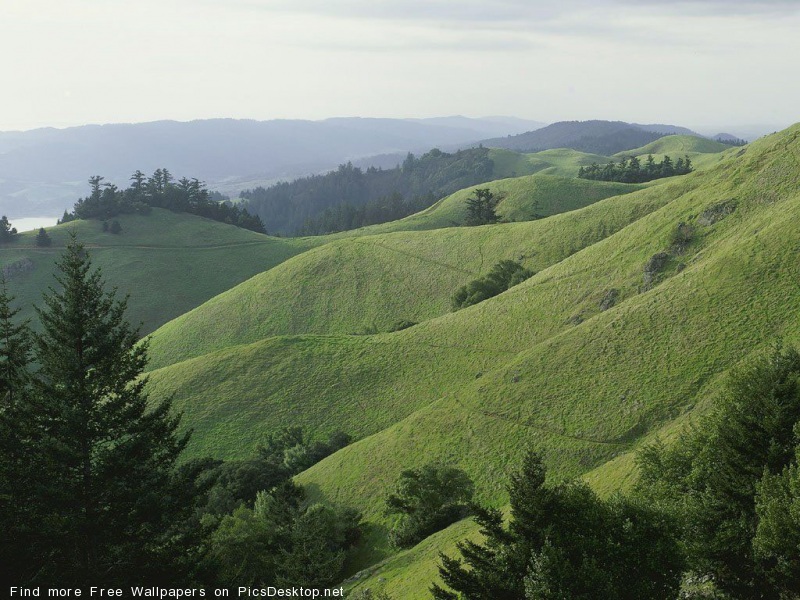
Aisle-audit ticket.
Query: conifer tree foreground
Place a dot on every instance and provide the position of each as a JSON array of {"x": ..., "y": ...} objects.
[
  {"x": 16, "y": 464},
  {"x": 112, "y": 505}
]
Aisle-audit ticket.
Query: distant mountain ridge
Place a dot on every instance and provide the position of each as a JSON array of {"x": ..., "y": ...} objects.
[
  {"x": 596, "y": 136},
  {"x": 666, "y": 129},
  {"x": 44, "y": 171}
]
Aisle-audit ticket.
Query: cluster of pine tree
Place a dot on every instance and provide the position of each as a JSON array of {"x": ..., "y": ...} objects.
[
  {"x": 162, "y": 191},
  {"x": 93, "y": 490},
  {"x": 301, "y": 204},
  {"x": 631, "y": 170},
  {"x": 730, "y": 141}
]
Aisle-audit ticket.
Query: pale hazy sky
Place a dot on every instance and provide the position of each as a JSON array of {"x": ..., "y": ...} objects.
[{"x": 705, "y": 62}]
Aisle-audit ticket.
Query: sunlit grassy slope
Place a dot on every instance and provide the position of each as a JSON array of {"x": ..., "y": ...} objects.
[
  {"x": 675, "y": 144},
  {"x": 545, "y": 183},
  {"x": 703, "y": 152},
  {"x": 563, "y": 162},
  {"x": 540, "y": 365},
  {"x": 169, "y": 263},
  {"x": 522, "y": 199},
  {"x": 586, "y": 385},
  {"x": 367, "y": 284},
  {"x": 529, "y": 323}
]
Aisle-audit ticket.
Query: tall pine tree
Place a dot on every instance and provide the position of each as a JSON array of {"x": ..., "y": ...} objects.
[
  {"x": 113, "y": 505},
  {"x": 17, "y": 466}
]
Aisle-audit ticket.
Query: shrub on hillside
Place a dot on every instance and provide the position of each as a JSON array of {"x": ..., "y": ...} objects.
[
  {"x": 502, "y": 276},
  {"x": 283, "y": 541},
  {"x": 428, "y": 499},
  {"x": 400, "y": 325},
  {"x": 292, "y": 450},
  {"x": 681, "y": 236}
]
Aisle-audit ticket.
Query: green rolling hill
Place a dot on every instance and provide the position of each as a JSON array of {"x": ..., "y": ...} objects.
[
  {"x": 703, "y": 152},
  {"x": 523, "y": 199},
  {"x": 626, "y": 335},
  {"x": 369, "y": 283},
  {"x": 644, "y": 298},
  {"x": 169, "y": 263},
  {"x": 562, "y": 162},
  {"x": 675, "y": 144}
]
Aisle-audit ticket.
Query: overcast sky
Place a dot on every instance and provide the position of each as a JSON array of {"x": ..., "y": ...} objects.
[{"x": 706, "y": 62}]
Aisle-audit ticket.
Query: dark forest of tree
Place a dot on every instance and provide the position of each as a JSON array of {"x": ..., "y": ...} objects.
[{"x": 354, "y": 197}]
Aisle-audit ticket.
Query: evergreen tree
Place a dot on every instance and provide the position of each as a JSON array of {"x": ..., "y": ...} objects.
[
  {"x": 565, "y": 542},
  {"x": 114, "y": 505},
  {"x": 650, "y": 168},
  {"x": 15, "y": 349},
  {"x": 138, "y": 183},
  {"x": 17, "y": 466},
  {"x": 777, "y": 540},
  {"x": 481, "y": 207},
  {"x": 711, "y": 477},
  {"x": 7, "y": 232},
  {"x": 43, "y": 240},
  {"x": 667, "y": 168}
]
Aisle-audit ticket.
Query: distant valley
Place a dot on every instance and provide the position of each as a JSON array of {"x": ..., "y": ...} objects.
[{"x": 43, "y": 171}]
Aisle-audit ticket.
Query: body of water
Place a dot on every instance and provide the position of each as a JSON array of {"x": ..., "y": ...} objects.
[{"x": 32, "y": 223}]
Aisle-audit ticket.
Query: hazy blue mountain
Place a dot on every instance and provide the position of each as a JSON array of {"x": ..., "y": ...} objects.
[
  {"x": 489, "y": 126},
  {"x": 598, "y": 137},
  {"x": 43, "y": 171}
]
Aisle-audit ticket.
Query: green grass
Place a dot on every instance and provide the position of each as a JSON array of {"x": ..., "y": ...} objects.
[
  {"x": 409, "y": 573},
  {"x": 540, "y": 365},
  {"x": 369, "y": 283},
  {"x": 563, "y": 162},
  {"x": 703, "y": 152},
  {"x": 523, "y": 199},
  {"x": 169, "y": 263},
  {"x": 678, "y": 144}
]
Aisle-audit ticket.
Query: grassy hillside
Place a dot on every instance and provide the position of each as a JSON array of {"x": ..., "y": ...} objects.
[
  {"x": 523, "y": 198},
  {"x": 563, "y": 162},
  {"x": 169, "y": 263},
  {"x": 367, "y": 284},
  {"x": 551, "y": 363},
  {"x": 678, "y": 144},
  {"x": 703, "y": 152}
]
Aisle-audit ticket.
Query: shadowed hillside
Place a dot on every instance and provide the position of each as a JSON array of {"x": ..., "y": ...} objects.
[{"x": 168, "y": 263}]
